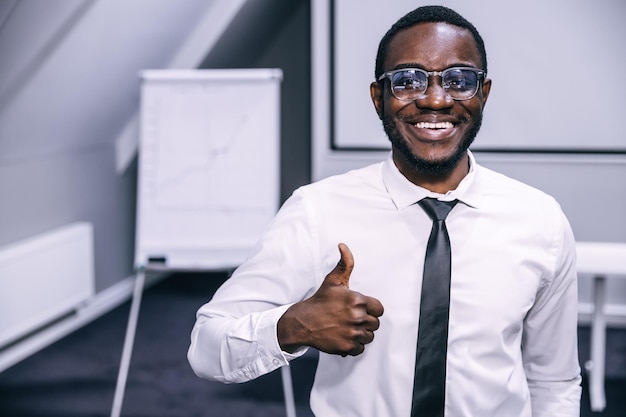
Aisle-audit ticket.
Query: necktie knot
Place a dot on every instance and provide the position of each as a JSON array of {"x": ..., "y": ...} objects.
[{"x": 437, "y": 210}]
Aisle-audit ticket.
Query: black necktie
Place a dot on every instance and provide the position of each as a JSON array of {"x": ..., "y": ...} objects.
[{"x": 432, "y": 340}]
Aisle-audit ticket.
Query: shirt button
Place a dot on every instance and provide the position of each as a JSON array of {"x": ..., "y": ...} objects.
[{"x": 276, "y": 362}]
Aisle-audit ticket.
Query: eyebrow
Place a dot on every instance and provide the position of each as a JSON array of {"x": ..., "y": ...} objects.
[{"x": 420, "y": 66}]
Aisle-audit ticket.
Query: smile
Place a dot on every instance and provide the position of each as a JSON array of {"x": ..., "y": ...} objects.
[{"x": 439, "y": 125}]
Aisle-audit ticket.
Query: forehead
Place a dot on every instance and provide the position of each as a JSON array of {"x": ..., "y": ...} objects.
[{"x": 433, "y": 46}]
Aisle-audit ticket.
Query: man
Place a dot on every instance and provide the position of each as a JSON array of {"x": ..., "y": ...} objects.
[{"x": 510, "y": 346}]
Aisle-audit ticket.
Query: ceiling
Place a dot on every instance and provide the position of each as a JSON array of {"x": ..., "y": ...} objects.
[{"x": 69, "y": 68}]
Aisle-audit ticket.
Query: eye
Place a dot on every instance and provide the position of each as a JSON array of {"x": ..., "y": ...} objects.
[
  {"x": 460, "y": 79},
  {"x": 409, "y": 80}
]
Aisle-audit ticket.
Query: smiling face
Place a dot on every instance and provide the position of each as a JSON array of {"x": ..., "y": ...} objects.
[{"x": 431, "y": 134}]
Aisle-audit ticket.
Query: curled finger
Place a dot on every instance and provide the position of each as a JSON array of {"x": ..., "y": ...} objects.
[
  {"x": 374, "y": 307},
  {"x": 367, "y": 337},
  {"x": 358, "y": 349}
]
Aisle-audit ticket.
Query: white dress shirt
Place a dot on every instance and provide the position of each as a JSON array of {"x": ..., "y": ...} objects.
[{"x": 512, "y": 346}]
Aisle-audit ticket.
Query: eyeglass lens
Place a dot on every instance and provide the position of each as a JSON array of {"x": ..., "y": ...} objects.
[{"x": 459, "y": 83}]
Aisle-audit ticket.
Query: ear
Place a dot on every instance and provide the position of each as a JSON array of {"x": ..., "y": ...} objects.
[
  {"x": 376, "y": 93},
  {"x": 486, "y": 88}
]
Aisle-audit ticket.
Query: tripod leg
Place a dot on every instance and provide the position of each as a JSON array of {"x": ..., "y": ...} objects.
[{"x": 128, "y": 344}]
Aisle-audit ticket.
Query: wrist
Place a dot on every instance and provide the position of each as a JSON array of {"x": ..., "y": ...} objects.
[{"x": 289, "y": 331}]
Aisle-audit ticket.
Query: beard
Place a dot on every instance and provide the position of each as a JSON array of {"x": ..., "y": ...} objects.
[{"x": 430, "y": 168}]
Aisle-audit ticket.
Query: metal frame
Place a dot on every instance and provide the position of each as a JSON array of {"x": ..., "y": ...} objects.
[{"x": 600, "y": 260}]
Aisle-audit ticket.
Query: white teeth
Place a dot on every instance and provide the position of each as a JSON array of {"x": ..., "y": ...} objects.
[{"x": 440, "y": 125}]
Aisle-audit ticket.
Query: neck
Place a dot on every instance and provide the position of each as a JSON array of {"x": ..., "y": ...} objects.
[{"x": 436, "y": 182}]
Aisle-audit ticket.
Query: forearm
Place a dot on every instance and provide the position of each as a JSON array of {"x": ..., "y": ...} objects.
[
  {"x": 235, "y": 350},
  {"x": 555, "y": 399},
  {"x": 234, "y": 338}
]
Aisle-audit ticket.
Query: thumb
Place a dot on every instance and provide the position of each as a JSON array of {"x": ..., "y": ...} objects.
[{"x": 341, "y": 274}]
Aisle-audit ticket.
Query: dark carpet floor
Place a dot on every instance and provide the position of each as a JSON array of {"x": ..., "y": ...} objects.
[{"x": 76, "y": 376}]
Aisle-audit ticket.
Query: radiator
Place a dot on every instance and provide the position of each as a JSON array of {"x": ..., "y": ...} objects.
[{"x": 44, "y": 278}]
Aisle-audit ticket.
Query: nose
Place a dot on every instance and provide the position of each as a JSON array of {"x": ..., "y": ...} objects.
[{"x": 435, "y": 96}]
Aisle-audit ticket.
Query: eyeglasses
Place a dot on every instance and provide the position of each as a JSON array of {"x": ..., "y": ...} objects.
[{"x": 408, "y": 84}]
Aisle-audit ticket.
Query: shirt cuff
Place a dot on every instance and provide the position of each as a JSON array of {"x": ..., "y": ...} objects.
[{"x": 268, "y": 338}]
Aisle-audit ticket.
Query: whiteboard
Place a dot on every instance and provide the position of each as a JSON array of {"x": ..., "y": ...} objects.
[
  {"x": 550, "y": 62},
  {"x": 208, "y": 173}
]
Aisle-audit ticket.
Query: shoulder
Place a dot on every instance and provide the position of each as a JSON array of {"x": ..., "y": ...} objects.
[
  {"x": 497, "y": 186},
  {"x": 517, "y": 203},
  {"x": 529, "y": 213},
  {"x": 346, "y": 185}
]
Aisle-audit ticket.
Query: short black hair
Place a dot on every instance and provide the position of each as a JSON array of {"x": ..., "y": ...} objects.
[{"x": 423, "y": 15}]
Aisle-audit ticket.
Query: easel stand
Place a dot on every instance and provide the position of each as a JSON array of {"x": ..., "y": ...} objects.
[{"x": 129, "y": 340}]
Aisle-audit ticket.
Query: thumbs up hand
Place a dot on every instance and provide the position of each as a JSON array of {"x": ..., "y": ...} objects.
[{"x": 335, "y": 319}]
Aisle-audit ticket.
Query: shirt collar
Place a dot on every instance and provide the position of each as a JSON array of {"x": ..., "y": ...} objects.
[{"x": 404, "y": 193}]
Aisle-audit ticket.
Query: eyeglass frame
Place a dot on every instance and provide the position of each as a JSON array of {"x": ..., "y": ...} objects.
[{"x": 482, "y": 75}]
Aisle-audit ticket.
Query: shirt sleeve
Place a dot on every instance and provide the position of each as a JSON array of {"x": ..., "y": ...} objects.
[
  {"x": 550, "y": 343},
  {"x": 234, "y": 338}
]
